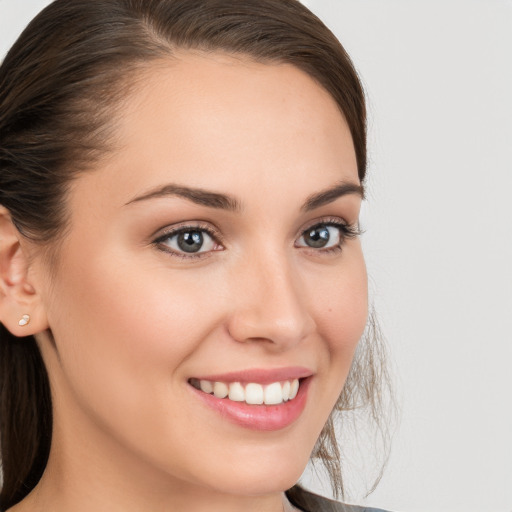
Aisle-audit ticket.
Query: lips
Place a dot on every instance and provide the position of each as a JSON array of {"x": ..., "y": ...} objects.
[{"x": 256, "y": 399}]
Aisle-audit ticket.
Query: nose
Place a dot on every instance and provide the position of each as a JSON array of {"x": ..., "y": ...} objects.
[{"x": 270, "y": 304}]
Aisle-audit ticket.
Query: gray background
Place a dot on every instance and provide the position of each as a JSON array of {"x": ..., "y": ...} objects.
[{"x": 438, "y": 238}]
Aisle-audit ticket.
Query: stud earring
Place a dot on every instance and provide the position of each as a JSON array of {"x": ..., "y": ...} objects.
[{"x": 24, "y": 320}]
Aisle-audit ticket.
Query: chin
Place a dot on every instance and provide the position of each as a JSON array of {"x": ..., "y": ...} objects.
[
  {"x": 259, "y": 473},
  {"x": 259, "y": 483}
]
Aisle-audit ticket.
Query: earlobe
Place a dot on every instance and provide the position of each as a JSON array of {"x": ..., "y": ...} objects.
[{"x": 21, "y": 310}]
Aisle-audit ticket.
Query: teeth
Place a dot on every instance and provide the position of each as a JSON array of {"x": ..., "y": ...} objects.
[
  {"x": 294, "y": 388},
  {"x": 273, "y": 393},
  {"x": 286, "y": 391},
  {"x": 236, "y": 392},
  {"x": 253, "y": 393},
  {"x": 220, "y": 390},
  {"x": 206, "y": 386}
]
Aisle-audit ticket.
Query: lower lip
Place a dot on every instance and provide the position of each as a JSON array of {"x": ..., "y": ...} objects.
[{"x": 259, "y": 417}]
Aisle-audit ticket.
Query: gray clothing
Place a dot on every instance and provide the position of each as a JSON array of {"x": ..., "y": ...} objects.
[{"x": 309, "y": 502}]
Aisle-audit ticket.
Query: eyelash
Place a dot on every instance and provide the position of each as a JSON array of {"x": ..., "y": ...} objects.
[
  {"x": 175, "y": 231},
  {"x": 347, "y": 231}
]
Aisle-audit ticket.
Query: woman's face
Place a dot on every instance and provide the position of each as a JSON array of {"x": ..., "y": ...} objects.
[{"x": 215, "y": 244}]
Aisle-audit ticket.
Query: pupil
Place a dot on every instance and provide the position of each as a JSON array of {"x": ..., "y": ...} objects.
[
  {"x": 190, "y": 241},
  {"x": 317, "y": 237}
]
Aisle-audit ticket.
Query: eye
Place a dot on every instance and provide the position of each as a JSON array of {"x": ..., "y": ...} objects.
[
  {"x": 188, "y": 241},
  {"x": 321, "y": 236},
  {"x": 326, "y": 235}
]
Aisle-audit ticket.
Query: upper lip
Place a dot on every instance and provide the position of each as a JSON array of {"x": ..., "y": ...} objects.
[{"x": 260, "y": 375}]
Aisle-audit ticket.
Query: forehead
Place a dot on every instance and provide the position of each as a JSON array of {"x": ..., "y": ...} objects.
[
  {"x": 221, "y": 101},
  {"x": 218, "y": 121}
]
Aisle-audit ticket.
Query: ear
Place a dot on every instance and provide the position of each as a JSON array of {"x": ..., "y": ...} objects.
[{"x": 21, "y": 309}]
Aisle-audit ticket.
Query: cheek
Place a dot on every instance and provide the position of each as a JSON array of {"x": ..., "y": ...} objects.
[
  {"x": 341, "y": 304},
  {"x": 341, "y": 310},
  {"x": 123, "y": 333}
]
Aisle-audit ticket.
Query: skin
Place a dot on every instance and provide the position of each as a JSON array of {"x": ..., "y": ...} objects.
[{"x": 132, "y": 321}]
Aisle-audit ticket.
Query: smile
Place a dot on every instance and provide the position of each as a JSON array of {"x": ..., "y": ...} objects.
[
  {"x": 256, "y": 399},
  {"x": 251, "y": 393}
]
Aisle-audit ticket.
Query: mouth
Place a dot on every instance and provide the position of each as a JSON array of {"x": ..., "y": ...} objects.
[
  {"x": 252, "y": 393},
  {"x": 257, "y": 399}
]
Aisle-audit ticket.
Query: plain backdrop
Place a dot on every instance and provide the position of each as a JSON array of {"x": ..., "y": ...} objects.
[{"x": 438, "y": 240}]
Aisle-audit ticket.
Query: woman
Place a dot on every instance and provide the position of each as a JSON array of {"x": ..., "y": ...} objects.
[{"x": 183, "y": 288}]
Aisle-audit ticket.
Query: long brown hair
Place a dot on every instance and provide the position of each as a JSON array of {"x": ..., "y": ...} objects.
[{"x": 60, "y": 86}]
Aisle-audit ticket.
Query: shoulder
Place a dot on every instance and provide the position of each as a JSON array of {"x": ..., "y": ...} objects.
[{"x": 309, "y": 502}]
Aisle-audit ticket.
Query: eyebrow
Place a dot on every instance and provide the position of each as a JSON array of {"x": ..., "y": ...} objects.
[
  {"x": 226, "y": 202},
  {"x": 331, "y": 194},
  {"x": 196, "y": 195}
]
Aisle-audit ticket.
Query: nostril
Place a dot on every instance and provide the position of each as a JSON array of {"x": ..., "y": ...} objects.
[{"x": 271, "y": 325}]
